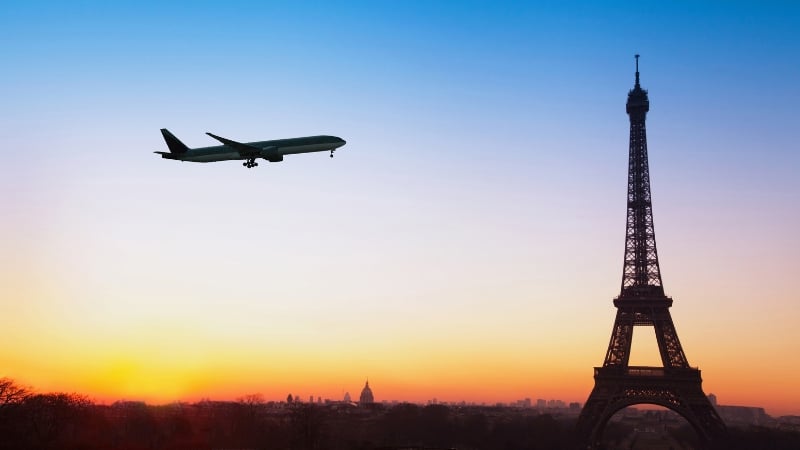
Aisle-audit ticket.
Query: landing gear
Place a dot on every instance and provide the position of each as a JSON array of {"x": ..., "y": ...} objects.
[
  {"x": 250, "y": 163},
  {"x": 332, "y": 153}
]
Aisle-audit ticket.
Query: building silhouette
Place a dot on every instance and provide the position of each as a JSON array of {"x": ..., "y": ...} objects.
[{"x": 366, "y": 395}]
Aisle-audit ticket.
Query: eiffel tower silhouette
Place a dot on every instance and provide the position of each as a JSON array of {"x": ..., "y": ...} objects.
[{"x": 642, "y": 302}]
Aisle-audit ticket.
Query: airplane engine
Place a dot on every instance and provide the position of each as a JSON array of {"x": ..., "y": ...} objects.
[{"x": 271, "y": 155}]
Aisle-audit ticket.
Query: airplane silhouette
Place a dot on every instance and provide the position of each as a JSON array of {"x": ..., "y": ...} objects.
[{"x": 272, "y": 151}]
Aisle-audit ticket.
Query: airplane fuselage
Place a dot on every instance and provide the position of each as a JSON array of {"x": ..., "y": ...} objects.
[{"x": 270, "y": 150}]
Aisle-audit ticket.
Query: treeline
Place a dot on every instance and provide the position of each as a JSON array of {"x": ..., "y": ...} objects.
[{"x": 70, "y": 421}]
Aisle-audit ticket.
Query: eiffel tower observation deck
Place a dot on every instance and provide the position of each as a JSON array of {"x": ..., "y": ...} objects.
[{"x": 642, "y": 302}]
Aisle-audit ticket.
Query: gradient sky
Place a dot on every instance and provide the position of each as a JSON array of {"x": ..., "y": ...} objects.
[{"x": 465, "y": 244}]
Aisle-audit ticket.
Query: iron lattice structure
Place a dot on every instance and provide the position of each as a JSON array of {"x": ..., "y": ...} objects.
[
  {"x": 640, "y": 272},
  {"x": 642, "y": 302}
]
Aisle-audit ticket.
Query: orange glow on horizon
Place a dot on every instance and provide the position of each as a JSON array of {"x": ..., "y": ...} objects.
[
  {"x": 150, "y": 371},
  {"x": 169, "y": 359}
]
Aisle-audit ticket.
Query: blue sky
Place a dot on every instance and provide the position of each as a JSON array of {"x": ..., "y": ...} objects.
[{"x": 483, "y": 180}]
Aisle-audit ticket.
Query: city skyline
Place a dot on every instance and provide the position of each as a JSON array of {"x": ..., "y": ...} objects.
[{"x": 468, "y": 243}]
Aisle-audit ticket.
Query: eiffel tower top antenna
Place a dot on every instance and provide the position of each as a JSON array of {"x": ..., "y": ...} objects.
[{"x": 637, "y": 69}]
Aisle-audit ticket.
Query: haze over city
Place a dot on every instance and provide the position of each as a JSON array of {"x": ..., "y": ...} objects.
[{"x": 467, "y": 242}]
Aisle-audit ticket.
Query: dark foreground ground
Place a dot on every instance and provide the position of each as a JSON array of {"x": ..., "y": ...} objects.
[{"x": 68, "y": 421}]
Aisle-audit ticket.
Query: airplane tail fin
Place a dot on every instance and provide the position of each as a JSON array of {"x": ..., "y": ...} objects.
[{"x": 175, "y": 145}]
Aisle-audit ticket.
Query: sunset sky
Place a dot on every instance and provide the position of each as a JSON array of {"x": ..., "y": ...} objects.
[{"x": 466, "y": 243}]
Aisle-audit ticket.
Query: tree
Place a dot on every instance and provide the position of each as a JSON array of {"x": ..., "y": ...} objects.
[
  {"x": 307, "y": 422},
  {"x": 12, "y": 422},
  {"x": 248, "y": 420},
  {"x": 11, "y": 393},
  {"x": 253, "y": 400},
  {"x": 55, "y": 417}
]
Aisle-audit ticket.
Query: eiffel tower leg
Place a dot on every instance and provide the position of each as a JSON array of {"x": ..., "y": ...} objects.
[
  {"x": 589, "y": 421},
  {"x": 668, "y": 343}
]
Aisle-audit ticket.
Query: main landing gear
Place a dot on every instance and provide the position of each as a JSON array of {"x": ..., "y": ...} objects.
[{"x": 250, "y": 163}]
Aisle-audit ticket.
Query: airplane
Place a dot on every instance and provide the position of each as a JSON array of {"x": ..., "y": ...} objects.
[{"x": 272, "y": 151}]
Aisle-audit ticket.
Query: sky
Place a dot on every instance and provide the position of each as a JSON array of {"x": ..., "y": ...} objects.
[{"x": 466, "y": 243}]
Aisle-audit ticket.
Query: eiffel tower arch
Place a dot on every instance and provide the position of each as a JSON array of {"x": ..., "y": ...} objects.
[{"x": 674, "y": 385}]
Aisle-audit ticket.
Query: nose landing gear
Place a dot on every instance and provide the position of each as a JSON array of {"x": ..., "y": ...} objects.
[
  {"x": 332, "y": 153},
  {"x": 250, "y": 163}
]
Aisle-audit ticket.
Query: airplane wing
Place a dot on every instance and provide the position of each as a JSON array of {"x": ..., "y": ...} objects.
[{"x": 247, "y": 151}]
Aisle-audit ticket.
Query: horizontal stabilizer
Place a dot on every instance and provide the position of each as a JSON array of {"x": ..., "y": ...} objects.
[
  {"x": 169, "y": 155},
  {"x": 174, "y": 144},
  {"x": 244, "y": 149}
]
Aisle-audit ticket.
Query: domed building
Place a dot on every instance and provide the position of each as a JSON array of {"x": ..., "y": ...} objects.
[{"x": 366, "y": 395}]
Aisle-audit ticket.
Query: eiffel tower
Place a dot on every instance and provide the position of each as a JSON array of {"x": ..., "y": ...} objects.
[{"x": 642, "y": 302}]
